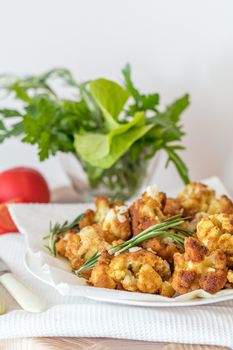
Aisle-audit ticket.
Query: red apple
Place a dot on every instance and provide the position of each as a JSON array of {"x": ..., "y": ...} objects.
[
  {"x": 7, "y": 225},
  {"x": 24, "y": 183}
]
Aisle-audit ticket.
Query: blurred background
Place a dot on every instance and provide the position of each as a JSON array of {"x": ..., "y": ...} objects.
[{"x": 174, "y": 47}]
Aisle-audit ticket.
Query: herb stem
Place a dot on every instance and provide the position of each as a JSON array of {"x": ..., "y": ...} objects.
[{"x": 161, "y": 229}]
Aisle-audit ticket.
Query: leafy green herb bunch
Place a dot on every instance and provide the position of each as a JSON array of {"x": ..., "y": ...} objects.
[{"x": 113, "y": 129}]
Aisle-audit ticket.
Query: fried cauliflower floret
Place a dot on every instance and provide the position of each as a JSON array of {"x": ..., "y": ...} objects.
[
  {"x": 91, "y": 240},
  {"x": 216, "y": 231},
  {"x": 92, "y": 217},
  {"x": 163, "y": 247},
  {"x": 192, "y": 225},
  {"x": 113, "y": 218},
  {"x": 147, "y": 210},
  {"x": 72, "y": 246},
  {"x": 100, "y": 276},
  {"x": 88, "y": 219},
  {"x": 172, "y": 207},
  {"x": 221, "y": 205},
  {"x": 117, "y": 222},
  {"x": 166, "y": 289},
  {"x": 78, "y": 247},
  {"x": 68, "y": 247},
  {"x": 195, "y": 197},
  {"x": 198, "y": 268},
  {"x": 152, "y": 208},
  {"x": 67, "y": 244},
  {"x": 140, "y": 271}
]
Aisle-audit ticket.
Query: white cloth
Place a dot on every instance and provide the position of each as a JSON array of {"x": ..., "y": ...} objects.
[{"x": 80, "y": 317}]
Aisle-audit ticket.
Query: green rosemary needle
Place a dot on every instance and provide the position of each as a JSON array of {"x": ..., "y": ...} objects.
[
  {"x": 58, "y": 229},
  {"x": 161, "y": 229}
]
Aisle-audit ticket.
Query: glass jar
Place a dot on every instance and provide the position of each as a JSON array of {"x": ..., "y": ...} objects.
[{"x": 119, "y": 183}]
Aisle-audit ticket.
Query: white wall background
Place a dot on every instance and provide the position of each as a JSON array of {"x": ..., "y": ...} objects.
[{"x": 174, "y": 46}]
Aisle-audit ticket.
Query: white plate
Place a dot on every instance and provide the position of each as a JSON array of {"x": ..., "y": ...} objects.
[
  {"x": 32, "y": 264},
  {"x": 33, "y": 221}
]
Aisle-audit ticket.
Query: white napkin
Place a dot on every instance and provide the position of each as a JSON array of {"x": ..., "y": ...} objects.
[{"x": 80, "y": 317}]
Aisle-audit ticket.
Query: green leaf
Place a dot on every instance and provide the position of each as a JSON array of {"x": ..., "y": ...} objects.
[
  {"x": 2, "y": 126},
  {"x": 174, "y": 111},
  {"x": 76, "y": 115},
  {"x": 122, "y": 143},
  {"x": 142, "y": 102},
  {"x": 8, "y": 113},
  {"x": 149, "y": 101},
  {"x": 103, "y": 150},
  {"x": 49, "y": 126},
  {"x": 126, "y": 71},
  {"x": 20, "y": 92},
  {"x": 92, "y": 146},
  {"x": 90, "y": 102},
  {"x": 111, "y": 98}
]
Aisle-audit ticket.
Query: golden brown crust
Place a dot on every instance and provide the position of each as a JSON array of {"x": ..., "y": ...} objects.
[
  {"x": 113, "y": 218},
  {"x": 212, "y": 282},
  {"x": 100, "y": 276},
  {"x": 88, "y": 219},
  {"x": 147, "y": 211},
  {"x": 82, "y": 245},
  {"x": 138, "y": 271},
  {"x": 216, "y": 231},
  {"x": 68, "y": 244},
  {"x": 222, "y": 205},
  {"x": 198, "y": 268},
  {"x": 161, "y": 248},
  {"x": 172, "y": 207},
  {"x": 60, "y": 247},
  {"x": 91, "y": 240},
  {"x": 117, "y": 222},
  {"x": 185, "y": 281},
  {"x": 194, "y": 251},
  {"x": 166, "y": 289},
  {"x": 195, "y": 197}
]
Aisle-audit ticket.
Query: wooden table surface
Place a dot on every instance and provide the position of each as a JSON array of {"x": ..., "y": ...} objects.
[{"x": 60, "y": 343}]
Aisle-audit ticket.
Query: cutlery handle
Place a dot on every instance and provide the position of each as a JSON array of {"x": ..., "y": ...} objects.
[{"x": 27, "y": 299}]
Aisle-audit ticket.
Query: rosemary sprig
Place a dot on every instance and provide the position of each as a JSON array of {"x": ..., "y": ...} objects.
[
  {"x": 158, "y": 230},
  {"x": 89, "y": 264},
  {"x": 58, "y": 229}
]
